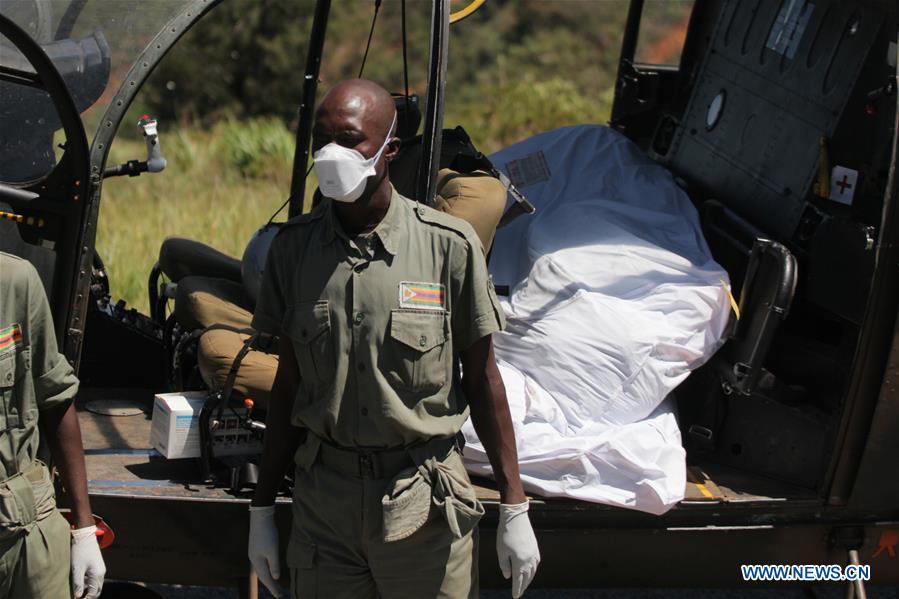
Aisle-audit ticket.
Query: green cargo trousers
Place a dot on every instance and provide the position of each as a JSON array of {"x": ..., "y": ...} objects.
[
  {"x": 337, "y": 547},
  {"x": 35, "y": 541}
]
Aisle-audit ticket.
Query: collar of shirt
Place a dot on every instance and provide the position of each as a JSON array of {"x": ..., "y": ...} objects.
[{"x": 389, "y": 230}]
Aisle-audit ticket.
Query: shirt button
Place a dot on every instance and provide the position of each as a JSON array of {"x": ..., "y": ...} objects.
[
  {"x": 8, "y": 376},
  {"x": 423, "y": 340},
  {"x": 359, "y": 318},
  {"x": 361, "y": 367},
  {"x": 364, "y": 411}
]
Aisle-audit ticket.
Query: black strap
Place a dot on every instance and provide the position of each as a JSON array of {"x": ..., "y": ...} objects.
[
  {"x": 228, "y": 387},
  {"x": 252, "y": 342},
  {"x": 371, "y": 32},
  {"x": 176, "y": 355}
]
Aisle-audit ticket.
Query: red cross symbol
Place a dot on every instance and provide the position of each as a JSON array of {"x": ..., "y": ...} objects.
[{"x": 844, "y": 184}]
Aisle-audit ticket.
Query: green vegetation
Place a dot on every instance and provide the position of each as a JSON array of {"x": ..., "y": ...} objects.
[
  {"x": 226, "y": 97},
  {"x": 219, "y": 187},
  {"x": 247, "y": 57}
]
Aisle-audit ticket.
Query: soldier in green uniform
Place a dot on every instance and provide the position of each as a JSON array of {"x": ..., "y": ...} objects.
[
  {"x": 39, "y": 553},
  {"x": 376, "y": 300}
]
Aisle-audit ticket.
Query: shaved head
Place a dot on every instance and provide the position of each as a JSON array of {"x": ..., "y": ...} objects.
[{"x": 363, "y": 99}]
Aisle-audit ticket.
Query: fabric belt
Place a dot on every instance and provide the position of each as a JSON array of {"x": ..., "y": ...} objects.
[
  {"x": 25, "y": 499},
  {"x": 380, "y": 464}
]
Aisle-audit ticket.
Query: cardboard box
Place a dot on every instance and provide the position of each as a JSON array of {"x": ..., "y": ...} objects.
[{"x": 175, "y": 429}]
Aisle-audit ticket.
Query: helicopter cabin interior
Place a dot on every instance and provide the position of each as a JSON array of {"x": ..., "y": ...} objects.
[
  {"x": 778, "y": 124},
  {"x": 770, "y": 104}
]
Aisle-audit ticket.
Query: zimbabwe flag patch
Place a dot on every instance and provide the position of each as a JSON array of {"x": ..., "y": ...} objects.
[
  {"x": 421, "y": 296},
  {"x": 10, "y": 338}
]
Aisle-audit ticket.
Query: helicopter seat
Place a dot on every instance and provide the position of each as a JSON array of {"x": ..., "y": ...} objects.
[
  {"x": 217, "y": 350},
  {"x": 181, "y": 259},
  {"x": 477, "y": 198},
  {"x": 201, "y": 302},
  {"x": 208, "y": 291}
]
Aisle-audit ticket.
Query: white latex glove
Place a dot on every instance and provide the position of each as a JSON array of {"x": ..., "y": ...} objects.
[
  {"x": 263, "y": 547},
  {"x": 88, "y": 568},
  {"x": 516, "y": 546}
]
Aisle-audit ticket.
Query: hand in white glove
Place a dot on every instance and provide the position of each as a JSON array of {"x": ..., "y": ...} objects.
[
  {"x": 516, "y": 546},
  {"x": 263, "y": 547},
  {"x": 88, "y": 568}
]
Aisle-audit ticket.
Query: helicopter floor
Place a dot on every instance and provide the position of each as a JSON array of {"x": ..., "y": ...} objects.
[{"x": 115, "y": 426}]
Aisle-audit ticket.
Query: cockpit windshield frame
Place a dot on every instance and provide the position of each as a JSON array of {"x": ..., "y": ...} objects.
[{"x": 75, "y": 214}]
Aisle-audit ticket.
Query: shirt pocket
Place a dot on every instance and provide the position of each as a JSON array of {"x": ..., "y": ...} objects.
[
  {"x": 418, "y": 353},
  {"x": 16, "y": 387},
  {"x": 308, "y": 324}
]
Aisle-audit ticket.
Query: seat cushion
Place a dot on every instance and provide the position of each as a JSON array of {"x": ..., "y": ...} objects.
[
  {"x": 218, "y": 348},
  {"x": 203, "y": 301},
  {"x": 179, "y": 258},
  {"x": 477, "y": 198}
]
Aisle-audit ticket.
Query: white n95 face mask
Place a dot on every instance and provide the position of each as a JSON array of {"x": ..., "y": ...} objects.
[{"x": 342, "y": 173}]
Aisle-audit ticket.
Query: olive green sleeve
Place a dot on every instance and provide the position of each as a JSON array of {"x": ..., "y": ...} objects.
[
  {"x": 54, "y": 378},
  {"x": 270, "y": 306},
  {"x": 476, "y": 312}
]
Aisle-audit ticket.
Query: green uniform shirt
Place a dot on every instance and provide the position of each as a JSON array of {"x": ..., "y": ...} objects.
[
  {"x": 377, "y": 321},
  {"x": 33, "y": 374}
]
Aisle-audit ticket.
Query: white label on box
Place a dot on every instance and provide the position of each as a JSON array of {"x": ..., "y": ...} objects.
[{"x": 842, "y": 184}]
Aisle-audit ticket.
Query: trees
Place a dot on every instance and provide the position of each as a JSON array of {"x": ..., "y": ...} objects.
[{"x": 516, "y": 67}]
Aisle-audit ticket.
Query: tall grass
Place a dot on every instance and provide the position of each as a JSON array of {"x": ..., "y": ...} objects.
[{"x": 219, "y": 186}]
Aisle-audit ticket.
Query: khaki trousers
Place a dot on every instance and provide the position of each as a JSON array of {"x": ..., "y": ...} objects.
[
  {"x": 37, "y": 564},
  {"x": 337, "y": 550},
  {"x": 35, "y": 542}
]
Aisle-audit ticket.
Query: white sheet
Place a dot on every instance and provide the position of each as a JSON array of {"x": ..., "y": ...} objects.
[{"x": 615, "y": 299}]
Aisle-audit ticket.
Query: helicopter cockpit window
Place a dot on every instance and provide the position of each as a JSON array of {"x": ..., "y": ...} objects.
[
  {"x": 28, "y": 121},
  {"x": 28, "y": 118},
  {"x": 93, "y": 44},
  {"x": 663, "y": 30}
]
